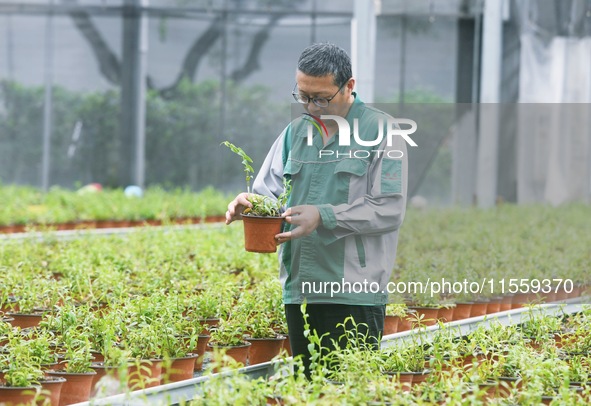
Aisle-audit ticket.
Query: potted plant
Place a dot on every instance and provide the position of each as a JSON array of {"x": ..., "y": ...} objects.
[
  {"x": 263, "y": 221},
  {"x": 227, "y": 338},
  {"x": 179, "y": 361},
  {"x": 145, "y": 346},
  {"x": 20, "y": 384},
  {"x": 114, "y": 365},
  {"x": 77, "y": 371}
]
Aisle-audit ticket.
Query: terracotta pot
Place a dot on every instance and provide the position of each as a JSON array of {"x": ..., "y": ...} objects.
[
  {"x": 488, "y": 390},
  {"x": 446, "y": 314},
  {"x": 209, "y": 323},
  {"x": 430, "y": 315},
  {"x": 77, "y": 387},
  {"x": 54, "y": 366},
  {"x": 180, "y": 369},
  {"x": 264, "y": 349},
  {"x": 13, "y": 396},
  {"x": 407, "y": 379},
  {"x": 199, "y": 350},
  {"x": 560, "y": 338},
  {"x": 51, "y": 389},
  {"x": 462, "y": 310},
  {"x": 25, "y": 320},
  {"x": 520, "y": 299},
  {"x": 478, "y": 309},
  {"x": 404, "y": 378},
  {"x": 405, "y": 322},
  {"x": 239, "y": 353},
  {"x": 259, "y": 233},
  {"x": 506, "y": 303},
  {"x": 102, "y": 371},
  {"x": 97, "y": 356},
  {"x": 494, "y": 306},
  {"x": 391, "y": 324},
  {"x": 469, "y": 360},
  {"x": 144, "y": 374}
]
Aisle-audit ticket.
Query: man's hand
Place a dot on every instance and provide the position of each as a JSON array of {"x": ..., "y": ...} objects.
[
  {"x": 306, "y": 219},
  {"x": 236, "y": 207}
]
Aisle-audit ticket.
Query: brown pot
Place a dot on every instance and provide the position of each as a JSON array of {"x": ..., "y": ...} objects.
[
  {"x": 462, "y": 311},
  {"x": 102, "y": 371},
  {"x": 506, "y": 303},
  {"x": 77, "y": 387},
  {"x": 407, "y": 379},
  {"x": 479, "y": 309},
  {"x": 259, "y": 233},
  {"x": 494, "y": 306},
  {"x": 144, "y": 374},
  {"x": 264, "y": 349},
  {"x": 405, "y": 322},
  {"x": 180, "y": 369},
  {"x": 488, "y": 390},
  {"x": 209, "y": 324},
  {"x": 430, "y": 315},
  {"x": 520, "y": 300},
  {"x": 51, "y": 389},
  {"x": 97, "y": 356},
  {"x": 200, "y": 351},
  {"x": 239, "y": 353},
  {"x": 13, "y": 396},
  {"x": 446, "y": 314},
  {"x": 391, "y": 324}
]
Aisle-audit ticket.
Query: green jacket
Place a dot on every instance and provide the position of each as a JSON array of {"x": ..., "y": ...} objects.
[{"x": 360, "y": 192}]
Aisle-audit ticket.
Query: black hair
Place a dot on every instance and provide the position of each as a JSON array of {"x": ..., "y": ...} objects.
[{"x": 324, "y": 59}]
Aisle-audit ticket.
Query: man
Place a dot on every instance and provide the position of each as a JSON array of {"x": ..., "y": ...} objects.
[{"x": 346, "y": 205}]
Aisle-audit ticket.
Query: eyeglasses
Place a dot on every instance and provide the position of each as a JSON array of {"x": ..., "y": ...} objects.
[{"x": 319, "y": 101}]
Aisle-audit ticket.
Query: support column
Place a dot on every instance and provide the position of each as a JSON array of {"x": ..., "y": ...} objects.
[
  {"x": 363, "y": 45},
  {"x": 133, "y": 93},
  {"x": 488, "y": 124}
]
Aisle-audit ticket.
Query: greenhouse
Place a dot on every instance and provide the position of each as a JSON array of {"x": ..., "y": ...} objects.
[{"x": 411, "y": 226}]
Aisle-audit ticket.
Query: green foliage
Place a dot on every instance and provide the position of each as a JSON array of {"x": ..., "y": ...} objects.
[
  {"x": 29, "y": 205},
  {"x": 261, "y": 205},
  {"x": 246, "y": 162},
  {"x": 181, "y": 134}
]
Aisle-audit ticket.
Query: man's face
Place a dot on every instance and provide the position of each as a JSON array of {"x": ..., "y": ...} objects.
[{"x": 324, "y": 87}]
